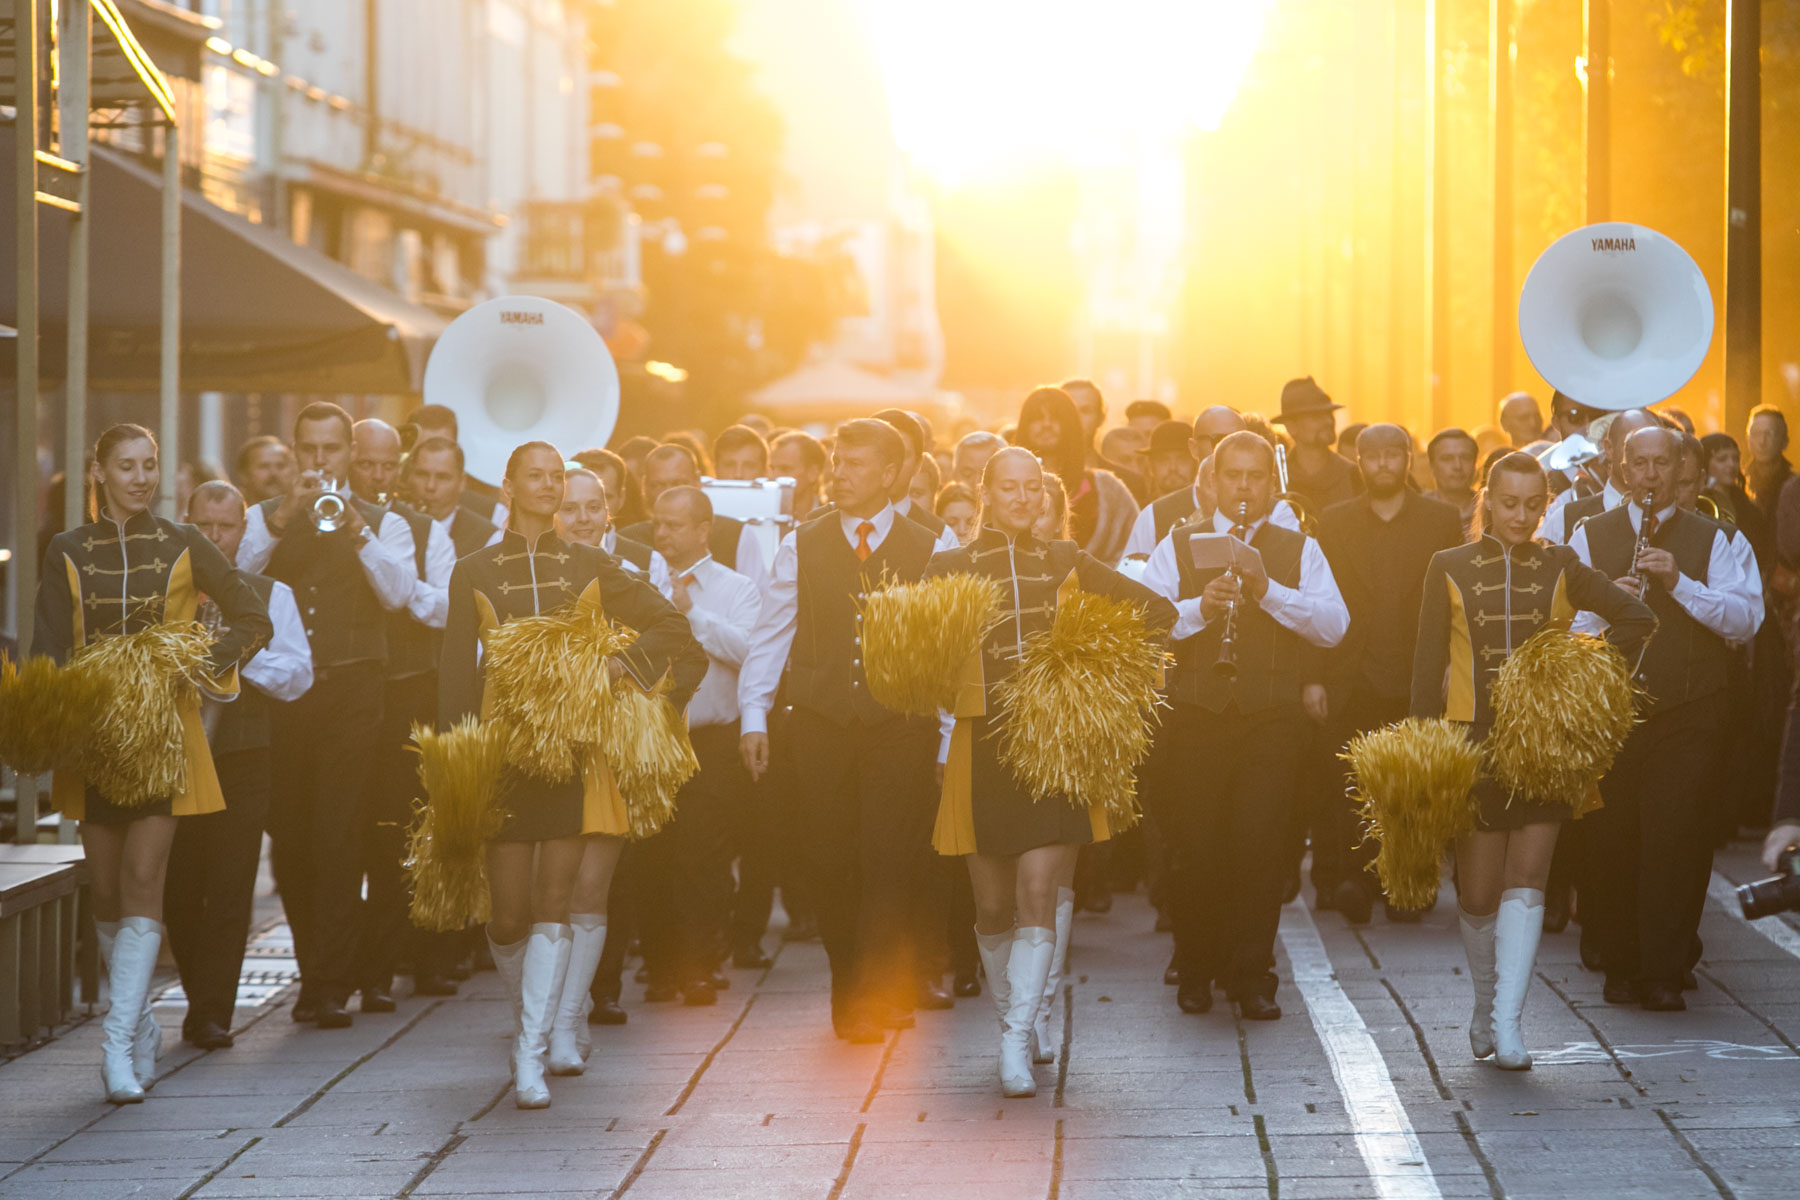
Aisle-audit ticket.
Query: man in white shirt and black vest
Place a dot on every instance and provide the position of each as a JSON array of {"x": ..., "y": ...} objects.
[
  {"x": 1647, "y": 853},
  {"x": 210, "y": 886},
  {"x": 346, "y": 581},
  {"x": 685, "y": 870},
  {"x": 1235, "y": 736},
  {"x": 865, "y": 775},
  {"x": 433, "y": 481}
]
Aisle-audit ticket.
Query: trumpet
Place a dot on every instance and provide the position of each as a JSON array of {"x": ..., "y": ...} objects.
[
  {"x": 1226, "y": 664},
  {"x": 329, "y": 507}
]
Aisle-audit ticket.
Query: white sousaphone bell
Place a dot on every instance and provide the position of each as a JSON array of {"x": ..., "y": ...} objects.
[
  {"x": 519, "y": 369},
  {"x": 1616, "y": 316}
]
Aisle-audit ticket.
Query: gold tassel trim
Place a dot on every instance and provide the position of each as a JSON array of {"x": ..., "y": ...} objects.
[
  {"x": 549, "y": 686},
  {"x": 446, "y": 856},
  {"x": 1564, "y": 703},
  {"x": 47, "y": 714},
  {"x": 1076, "y": 716},
  {"x": 1415, "y": 783},
  {"x": 137, "y": 753},
  {"x": 917, "y": 636}
]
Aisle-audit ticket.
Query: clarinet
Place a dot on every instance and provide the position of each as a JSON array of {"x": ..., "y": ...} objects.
[
  {"x": 1226, "y": 664},
  {"x": 1648, "y": 506}
]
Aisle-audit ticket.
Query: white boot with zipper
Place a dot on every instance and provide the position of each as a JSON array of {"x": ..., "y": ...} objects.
[
  {"x": 1478, "y": 943},
  {"x": 567, "y": 1054},
  {"x": 1517, "y": 929},
  {"x": 509, "y": 960},
  {"x": 1059, "y": 963},
  {"x": 545, "y": 966},
  {"x": 1027, "y": 968},
  {"x": 995, "y": 949},
  {"x": 135, "y": 947},
  {"x": 147, "y": 1041}
]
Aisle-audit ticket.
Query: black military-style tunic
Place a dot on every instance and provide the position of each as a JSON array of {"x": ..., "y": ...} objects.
[
  {"x": 1481, "y": 603},
  {"x": 983, "y": 809},
  {"x": 515, "y": 578},
  {"x": 107, "y": 579}
]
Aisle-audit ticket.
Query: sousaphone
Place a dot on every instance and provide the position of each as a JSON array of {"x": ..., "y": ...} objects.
[
  {"x": 1616, "y": 316},
  {"x": 519, "y": 369}
]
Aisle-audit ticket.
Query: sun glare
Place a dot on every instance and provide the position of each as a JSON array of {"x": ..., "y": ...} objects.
[{"x": 980, "y": 86}]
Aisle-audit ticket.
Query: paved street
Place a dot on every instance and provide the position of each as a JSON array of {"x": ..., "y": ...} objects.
[{"x": 1365, "y": 1088}]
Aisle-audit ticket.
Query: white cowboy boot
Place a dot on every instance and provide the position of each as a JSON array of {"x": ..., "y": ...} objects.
[
  {"x": 995, "y": 949},
  {"x": 1065, "y": 919},
  {"x": 569, "y": 1030},
  {"x": 1027, "y": 967},
  {"x": 509, "y": 960},
  {"x": 1478, "y": 943},
  {"x": 1516, "y": 932},
  {"x": 147, "y": 1040},
  {"x": 546, "y": 965},
  {"x": 133, "y": 963}
]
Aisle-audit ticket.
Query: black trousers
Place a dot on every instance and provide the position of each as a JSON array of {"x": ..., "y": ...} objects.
[
  {"x": 321, "y": 755},
  {"x": 1648, "y": 850},
  {"x": 211, "y": 884},
  {"x": 387, "y": 818},
  {"x": 685, "y": 887},
  {"x": 757, "y": 844},
  {"x": 1340, "y": 849},
  {"x": 1231, "y": 817},
  {"x": 1161, "y": 791},
  {"x": 864, "y": 808}
]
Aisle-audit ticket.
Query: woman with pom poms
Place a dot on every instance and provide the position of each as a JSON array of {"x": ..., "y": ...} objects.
[
  {"x": 1018, "y": 848},
  {"x": 128, "y": 572},
  {"x": 1482, "y": 601},
  {"x": 533, "y": 861}
]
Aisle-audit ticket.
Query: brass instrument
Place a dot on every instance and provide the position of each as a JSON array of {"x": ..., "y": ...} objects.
[
  {"x": 1295, "y": 500},
  {"x": 1226, "y": 664},
  {"x": 329, "y": 507}
]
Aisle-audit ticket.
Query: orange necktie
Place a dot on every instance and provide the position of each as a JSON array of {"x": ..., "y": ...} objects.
[{"x": 863, "y": 549}]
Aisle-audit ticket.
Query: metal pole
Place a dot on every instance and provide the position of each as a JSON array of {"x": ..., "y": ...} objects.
[
  {"x": 25, "y": 432},
  {"x": 1503, "y": 50},
  {"x": 1596, "y": 112},
  {"x": 1743, "y": 207},
  {"x": 170, "y": 392},
  {"x": 73, "y": 45}
]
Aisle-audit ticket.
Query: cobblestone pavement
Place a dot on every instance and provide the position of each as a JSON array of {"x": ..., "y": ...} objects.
[{"x": 1364, "y": 1088}]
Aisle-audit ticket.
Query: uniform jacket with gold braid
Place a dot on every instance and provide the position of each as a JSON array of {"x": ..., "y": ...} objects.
[
  {"x": 1034, "y": 577},
  {"x": 1482, "y": 602},
  {"x": 106, "y": 580},
  {"x": 514, "y": 578}
]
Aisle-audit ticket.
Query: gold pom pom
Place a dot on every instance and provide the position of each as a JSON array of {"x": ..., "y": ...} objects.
[
  {"x": 1564, "y": 703},
  {"x": 549, "y": 685},
  {"x": 1077, "y": 713},
  {"x": 137, "y": 753},
  {"x": 645, "y": 741},
  {"x": 447, "y": 849},
  {"x": 1415, "y": 781},
  {"x": 47, "y": 714},
  {"x": 917, "y": 636}
]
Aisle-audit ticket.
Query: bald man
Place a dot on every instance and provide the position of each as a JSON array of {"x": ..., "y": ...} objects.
[
  {"x": 1379, "y": 546},
  {"x": 1569, "y": 510},
  {"x": 1647, "y": 853},
  {"x": 1520, "y": 418},
  {"x": 1155, "y": 520},
  {"x": 733, "y": 544}
]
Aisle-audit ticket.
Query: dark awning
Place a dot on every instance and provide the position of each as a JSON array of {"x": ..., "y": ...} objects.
[{"x": 259, "y": 313}]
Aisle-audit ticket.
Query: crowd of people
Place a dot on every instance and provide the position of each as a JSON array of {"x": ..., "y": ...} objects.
[{"x": 1393, "y": 574}]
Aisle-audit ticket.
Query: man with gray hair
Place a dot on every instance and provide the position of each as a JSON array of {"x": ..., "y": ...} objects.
[
  {"x": 970, "y": 458},
  {"x": 209, "y": 887}
]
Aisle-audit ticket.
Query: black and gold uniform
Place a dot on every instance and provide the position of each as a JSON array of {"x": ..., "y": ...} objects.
[
  {"x": 983, "y": 810},
  {"x": 1481, "y": 603},
  {"x": 514, "y": 578},
  {"x": 107, "y": 579}
]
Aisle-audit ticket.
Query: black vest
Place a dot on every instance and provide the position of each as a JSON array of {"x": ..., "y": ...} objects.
[
  {"x": 1273, "y": 661},
  {"x": 413, "y": 646},
  {"x": 1172, "y": 509},
  {"x": 243, "y": 724},
  {"x": 635, "y": 553},
  {"x": 344, "y": 621},
  {"x": 469, "y": 532},
  {"x": 825, "y": 671},
  {"x": 721, "y": 543},
  {"x": 1580, "y": 509},
  {"x": 1684, "y": 660}
]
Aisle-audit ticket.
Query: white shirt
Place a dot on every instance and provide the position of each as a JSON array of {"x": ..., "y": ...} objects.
[
  {"x": 722, "y": 617},
  {"x": 283, "y": 669},
  {"x": 946, "y": 537},
  {"x": 1551, "y": 530},
  {"x": 659, "y": 566},
  {"x": 1143, "y": 530},
  {"x": 429, "y": 603},
  {"x": 386, "y": 558},
  {"x": 1729, "y": 602},
  {"x": 1315, "y": 610},
  {"x": 773, "y": 637}
]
